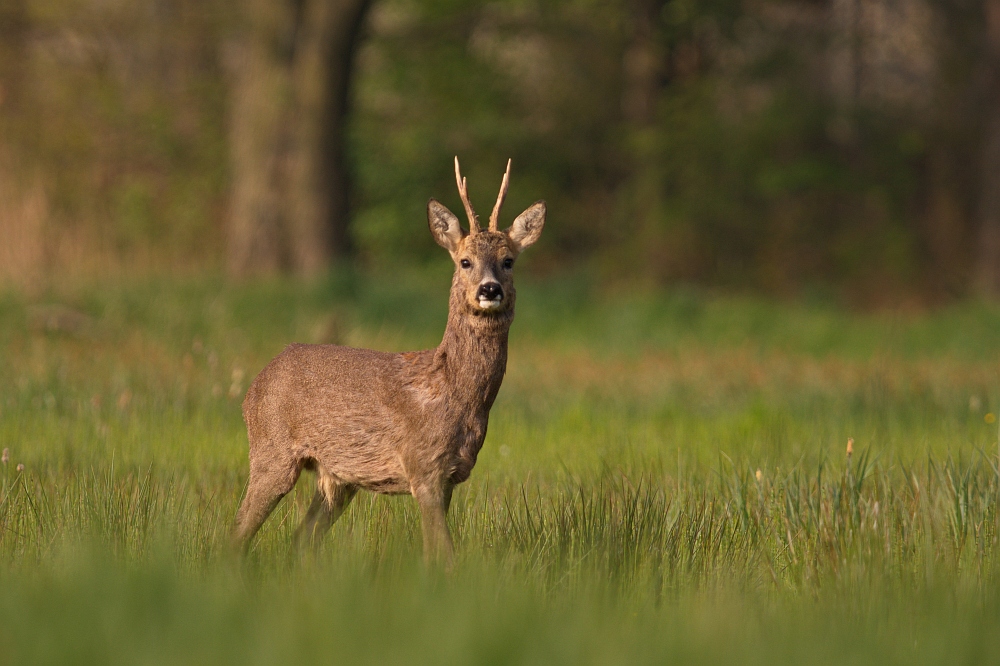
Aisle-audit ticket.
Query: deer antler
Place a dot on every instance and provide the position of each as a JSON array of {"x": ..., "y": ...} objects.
[
  {"x": 495, "y": 215},
  {"x": 463, "y": 191}
]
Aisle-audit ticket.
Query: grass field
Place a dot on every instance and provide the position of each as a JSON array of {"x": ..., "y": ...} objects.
[{"x": 665, "y": 479}]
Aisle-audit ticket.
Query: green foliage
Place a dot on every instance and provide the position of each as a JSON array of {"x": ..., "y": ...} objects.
[{"x": 523, "y": 81}]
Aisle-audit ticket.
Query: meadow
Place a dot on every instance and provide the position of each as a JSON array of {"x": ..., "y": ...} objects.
[{"x": 666, "y": 479}]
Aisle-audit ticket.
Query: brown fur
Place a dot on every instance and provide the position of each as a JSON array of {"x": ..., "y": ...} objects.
[{"x": 389, "y": 423}]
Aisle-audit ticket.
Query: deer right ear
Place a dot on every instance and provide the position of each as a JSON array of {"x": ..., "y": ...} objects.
[{"x": 444, "y": 225}]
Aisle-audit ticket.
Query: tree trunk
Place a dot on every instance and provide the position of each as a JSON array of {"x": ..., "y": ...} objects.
[
  {"x": 319, "y": 180},
  {"x": 845, "y": 55},
  {"x": 13, "y": 54},
  {"x": 642, "y": 66},
  {"x": 290, "y": 90},
  {"x": 257, "y": 63},
  {"x": 641, "y": 232},
  {"x": 988, "y": 259}
]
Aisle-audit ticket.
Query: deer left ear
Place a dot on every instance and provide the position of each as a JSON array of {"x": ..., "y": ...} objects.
[
  {"x": 444, "y": 226},
  {"x": 528, "y": 226}
]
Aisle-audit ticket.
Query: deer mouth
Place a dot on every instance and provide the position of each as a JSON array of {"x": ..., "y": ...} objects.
[{"x": 491, "y": 304}]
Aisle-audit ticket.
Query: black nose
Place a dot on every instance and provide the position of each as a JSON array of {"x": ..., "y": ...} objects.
[{"x": 491, "y": 291}]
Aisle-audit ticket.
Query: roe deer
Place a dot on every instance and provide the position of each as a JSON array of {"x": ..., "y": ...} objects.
[{"x": 392, "y": 423}]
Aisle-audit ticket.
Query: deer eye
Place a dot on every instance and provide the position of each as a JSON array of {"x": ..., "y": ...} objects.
[
  {"x": 466, "y": 263},
  {"x": 508, "y": 262}
]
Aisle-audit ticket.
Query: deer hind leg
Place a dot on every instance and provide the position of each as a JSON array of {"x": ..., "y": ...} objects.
[
  {"x": 267, "y": 485},
  {"x": 328, "y": 504}
]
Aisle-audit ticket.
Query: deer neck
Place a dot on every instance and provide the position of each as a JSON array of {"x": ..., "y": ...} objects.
[{"x": 473, "y": 352}]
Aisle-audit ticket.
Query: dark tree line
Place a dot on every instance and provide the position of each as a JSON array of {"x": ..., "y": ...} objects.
[{"x": 777, "y": 145}]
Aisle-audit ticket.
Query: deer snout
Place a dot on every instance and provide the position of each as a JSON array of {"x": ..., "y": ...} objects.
[{"x": 490, "y": 291}]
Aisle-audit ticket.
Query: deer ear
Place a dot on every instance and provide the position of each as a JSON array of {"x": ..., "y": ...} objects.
[
  {"x": 444, "y": 225},
  {"x": 528, "y": 226}
]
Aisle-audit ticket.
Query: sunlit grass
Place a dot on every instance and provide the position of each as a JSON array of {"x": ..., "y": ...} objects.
[{"x": 666, "y": 474}]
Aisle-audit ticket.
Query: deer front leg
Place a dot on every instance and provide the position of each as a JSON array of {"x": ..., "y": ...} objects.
[{"x": 434, "y": 500}]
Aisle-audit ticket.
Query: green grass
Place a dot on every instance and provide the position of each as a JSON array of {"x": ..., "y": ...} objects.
[{"x": 665, "y": 479}]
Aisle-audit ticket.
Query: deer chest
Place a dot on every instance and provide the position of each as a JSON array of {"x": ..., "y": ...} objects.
[{"x": 465, "y": 450}]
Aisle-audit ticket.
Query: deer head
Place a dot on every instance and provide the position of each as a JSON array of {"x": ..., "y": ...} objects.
[{"x": 484, "y": 258}]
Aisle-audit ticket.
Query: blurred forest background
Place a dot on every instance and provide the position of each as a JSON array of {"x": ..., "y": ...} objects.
[{"x": 841, "y": 147}]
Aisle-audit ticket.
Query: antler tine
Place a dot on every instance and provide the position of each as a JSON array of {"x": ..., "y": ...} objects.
[
  {"x": 495, "y": 215},
  {"x": 463, "y": 191}
]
